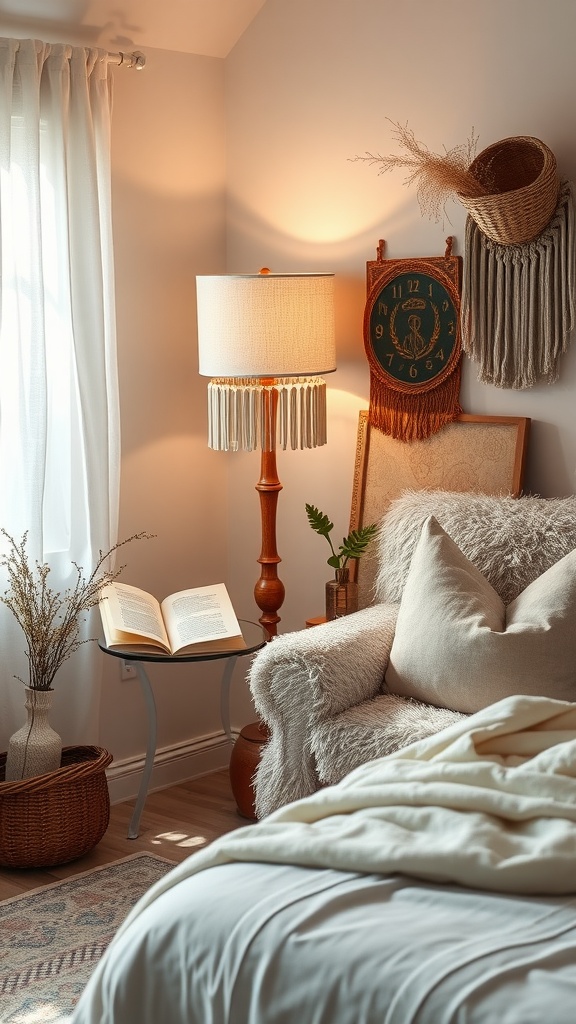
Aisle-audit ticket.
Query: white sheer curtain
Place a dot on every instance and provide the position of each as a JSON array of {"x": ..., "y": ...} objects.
[{"x": 59, "y": 421}]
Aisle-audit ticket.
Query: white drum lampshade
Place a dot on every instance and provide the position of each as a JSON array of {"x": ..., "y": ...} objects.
[{"x": 263, "y": 333}]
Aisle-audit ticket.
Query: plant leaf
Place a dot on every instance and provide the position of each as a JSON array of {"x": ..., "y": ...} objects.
[
  {"x": 318, "y": 521},
  {"x": 355, "y": 544}
]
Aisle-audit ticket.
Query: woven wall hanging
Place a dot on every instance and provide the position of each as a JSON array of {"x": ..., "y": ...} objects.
[
  {"x": 519, "y": 300},
  {"x": 412, "y": 342}
]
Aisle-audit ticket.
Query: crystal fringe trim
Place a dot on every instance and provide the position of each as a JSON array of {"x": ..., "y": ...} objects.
[{"x": 240, "y": 417}]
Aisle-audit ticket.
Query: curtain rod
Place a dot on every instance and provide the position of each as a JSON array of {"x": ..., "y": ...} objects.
[
  {"x": 136, "y": 59},
  {"x": 131, "y": 60}
]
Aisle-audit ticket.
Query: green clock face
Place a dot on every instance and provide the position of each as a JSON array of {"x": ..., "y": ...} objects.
[{"x": 411, "y": 329}]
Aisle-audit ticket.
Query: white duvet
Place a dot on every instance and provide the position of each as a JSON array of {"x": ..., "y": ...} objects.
[{"x": 489, "y": 803}]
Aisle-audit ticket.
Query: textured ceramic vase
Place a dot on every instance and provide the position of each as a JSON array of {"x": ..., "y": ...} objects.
[
  {"x": 341, "y": 595},
  {"x": 35, "y": 748}
]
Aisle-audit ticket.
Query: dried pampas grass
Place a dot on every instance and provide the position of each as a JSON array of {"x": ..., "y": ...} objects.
[{"x": 437, "y": 175}]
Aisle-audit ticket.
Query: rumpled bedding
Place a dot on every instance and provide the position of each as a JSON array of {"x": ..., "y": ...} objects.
[{"x": 488, "y": 804}]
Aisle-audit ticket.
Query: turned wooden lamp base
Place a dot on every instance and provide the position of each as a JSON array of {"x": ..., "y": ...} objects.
[{"x": 269, "y": 595}]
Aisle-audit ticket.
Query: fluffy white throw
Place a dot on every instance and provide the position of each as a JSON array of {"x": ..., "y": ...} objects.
[{"x": 489, "y": 802}]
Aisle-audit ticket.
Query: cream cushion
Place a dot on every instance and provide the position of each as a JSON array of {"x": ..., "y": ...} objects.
[{"x": 457, "y": 645}]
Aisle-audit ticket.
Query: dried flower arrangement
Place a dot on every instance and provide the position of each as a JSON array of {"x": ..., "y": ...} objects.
[
  {"x": 50, "y": 620},
  {"x": 437, "y": 175}
]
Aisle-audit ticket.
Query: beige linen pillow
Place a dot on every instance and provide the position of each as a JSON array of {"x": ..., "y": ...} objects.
[{"x": 458, "y": 646}]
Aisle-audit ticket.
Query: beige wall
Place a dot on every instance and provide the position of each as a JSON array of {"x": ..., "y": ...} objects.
[{"x": 310, "y": 85}]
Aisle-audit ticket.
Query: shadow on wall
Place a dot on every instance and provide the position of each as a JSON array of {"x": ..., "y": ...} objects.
[
  {"x": 547, "y": 462},
  {"x": 157, "y": 257},
  {"x": 27, "y": 19},
  {"x": 282, "y": 249},
  {"x": 262, "y": 244}
]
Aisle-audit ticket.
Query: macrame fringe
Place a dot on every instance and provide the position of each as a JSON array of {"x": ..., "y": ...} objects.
[
  {"x": 409, "y": 417},
  {"x": 519, "y": 301},
  {"x": 242, "y": 418}
]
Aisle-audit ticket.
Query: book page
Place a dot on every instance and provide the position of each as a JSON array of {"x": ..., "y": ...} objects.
[
  {"x": 199, "y": 615},
  {"x": 135, "y": 613}
]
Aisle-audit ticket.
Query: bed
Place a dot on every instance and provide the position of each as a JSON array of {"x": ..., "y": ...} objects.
[{"x": 434, "y": 885}]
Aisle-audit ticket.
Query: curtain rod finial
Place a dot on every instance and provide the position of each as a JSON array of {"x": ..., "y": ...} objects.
[{"x": 133, "y": 60}]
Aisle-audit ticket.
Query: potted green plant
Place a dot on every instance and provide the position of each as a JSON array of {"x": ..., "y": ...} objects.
[
  {"x": 341, "y": 592},
  {"x": 50, "y": 621}
]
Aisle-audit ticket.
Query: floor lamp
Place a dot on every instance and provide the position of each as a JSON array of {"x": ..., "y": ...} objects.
[{"x": 263, "y": 339}]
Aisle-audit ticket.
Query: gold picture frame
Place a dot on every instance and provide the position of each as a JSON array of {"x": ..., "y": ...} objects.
[{"x": 485, "y": 454}]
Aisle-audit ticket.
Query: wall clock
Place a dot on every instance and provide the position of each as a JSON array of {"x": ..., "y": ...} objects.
[{"x": 412, "y": 342}]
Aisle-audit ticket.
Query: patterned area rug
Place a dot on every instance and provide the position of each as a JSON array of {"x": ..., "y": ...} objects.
[{"x": 51, "y": 938}]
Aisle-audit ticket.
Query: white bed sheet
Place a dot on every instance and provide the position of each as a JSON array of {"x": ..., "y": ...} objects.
[
  {"x": 309, "y": 917},
  {"x": 275, "y": 944}
]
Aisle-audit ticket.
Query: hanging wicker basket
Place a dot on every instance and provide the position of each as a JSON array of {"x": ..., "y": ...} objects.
[
  {"x": 54, "y": 818},
  {"x": 521, "y": 176}
]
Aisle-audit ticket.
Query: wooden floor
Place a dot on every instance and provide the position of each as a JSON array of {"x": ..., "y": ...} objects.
[{"x": 175, "y": 822}]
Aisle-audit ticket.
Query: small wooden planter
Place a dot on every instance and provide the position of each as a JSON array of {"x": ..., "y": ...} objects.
[
  {"x": 57, "y": 817},
  {"x": 244, "y": 761}
]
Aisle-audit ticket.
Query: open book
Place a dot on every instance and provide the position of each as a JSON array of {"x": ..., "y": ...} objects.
[{"x": 196, "y": 621}]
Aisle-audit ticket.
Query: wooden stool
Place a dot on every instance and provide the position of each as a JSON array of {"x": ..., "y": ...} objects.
[{"x": 243, "y": 764}]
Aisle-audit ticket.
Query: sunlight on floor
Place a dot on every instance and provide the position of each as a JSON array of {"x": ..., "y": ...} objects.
[
  {"x": 179, "y": 839},
  {"x": 45, "y": 1013}
]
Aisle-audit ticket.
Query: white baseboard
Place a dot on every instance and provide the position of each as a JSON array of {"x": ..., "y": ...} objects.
[{"x": 172, "y": 765}]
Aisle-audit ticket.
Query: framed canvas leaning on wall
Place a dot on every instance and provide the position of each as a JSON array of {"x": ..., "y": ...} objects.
[{"x": 473, "y": 453}]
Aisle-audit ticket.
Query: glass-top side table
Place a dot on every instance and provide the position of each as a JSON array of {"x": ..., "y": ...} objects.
[{"x": 255, "y": 637}]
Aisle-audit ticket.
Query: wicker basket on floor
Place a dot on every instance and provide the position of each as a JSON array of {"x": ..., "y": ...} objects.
[
  {"x": 54, "y": 818},
  {"x": 523, "y": 181}
]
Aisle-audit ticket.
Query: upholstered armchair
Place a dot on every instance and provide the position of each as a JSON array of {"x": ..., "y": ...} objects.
[{"x": 337, "y": 695}]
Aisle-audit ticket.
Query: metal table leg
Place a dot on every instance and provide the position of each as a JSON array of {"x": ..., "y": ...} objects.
[
  {"x": 225, "y": 696},
  {"x": 148, "y": 693}
]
